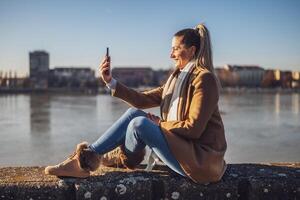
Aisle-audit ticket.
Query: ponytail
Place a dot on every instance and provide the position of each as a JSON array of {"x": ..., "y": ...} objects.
[{"x": 204, "y": 54}]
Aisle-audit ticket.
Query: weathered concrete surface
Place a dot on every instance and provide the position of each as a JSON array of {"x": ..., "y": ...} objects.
[
  {"x": 31, "y": 183},
  {"x": 241, "y": 181}
]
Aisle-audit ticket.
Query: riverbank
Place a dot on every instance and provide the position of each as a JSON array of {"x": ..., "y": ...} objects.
[
  {"x": 104, "y": 90},
  {"x": 53, "y": 91},
  {"x": 241, "y": 181},
  {"x": 229, "y": 90}
]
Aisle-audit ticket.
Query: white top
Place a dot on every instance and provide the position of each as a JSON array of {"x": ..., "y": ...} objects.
[{"x": 172, "y": 114}]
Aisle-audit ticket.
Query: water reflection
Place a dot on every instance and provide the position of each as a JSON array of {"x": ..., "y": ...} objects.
[
  {"x": 277, "y": 103},
  {"x": 39, "y": 114},
  {"x": 295, "y": 103}
]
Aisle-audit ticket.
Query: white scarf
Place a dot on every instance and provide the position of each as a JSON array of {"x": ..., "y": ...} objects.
[{"x": 173, "y": 107}]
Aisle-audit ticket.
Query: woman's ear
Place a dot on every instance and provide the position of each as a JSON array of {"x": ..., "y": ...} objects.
[{"x": 193, "y": 51}]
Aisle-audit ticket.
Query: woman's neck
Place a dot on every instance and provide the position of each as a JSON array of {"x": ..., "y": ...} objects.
[{"x": 186, "y": 64}]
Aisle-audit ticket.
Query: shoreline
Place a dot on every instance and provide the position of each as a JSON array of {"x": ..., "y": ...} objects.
[
  {"x": 226, "y": 90},
  {"x": 260, "y": 90}
]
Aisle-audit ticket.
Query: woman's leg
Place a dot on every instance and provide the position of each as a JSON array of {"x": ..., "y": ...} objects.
[
  {"x": 141, "y": 132},
  {"x": 115, "y": 135},
  {"x": 135, "y": 130},
  {"x": 86, "y": 158}
]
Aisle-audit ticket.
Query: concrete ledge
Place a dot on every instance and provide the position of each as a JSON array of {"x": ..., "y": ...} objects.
[{"x": 241, "y": 181}]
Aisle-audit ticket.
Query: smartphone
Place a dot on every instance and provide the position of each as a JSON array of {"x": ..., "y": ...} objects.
[{"x": 107, "y": 54}]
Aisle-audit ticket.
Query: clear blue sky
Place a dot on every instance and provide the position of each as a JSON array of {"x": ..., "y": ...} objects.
[{"x": 76, "y": 33}]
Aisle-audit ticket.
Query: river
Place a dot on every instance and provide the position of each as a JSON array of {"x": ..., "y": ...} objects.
[{"x": 42, "y": 129}]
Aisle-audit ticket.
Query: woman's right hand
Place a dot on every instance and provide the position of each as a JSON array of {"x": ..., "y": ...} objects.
[
  {"x": 154, "y": 118},
  {"x": 104, "y": 70}
]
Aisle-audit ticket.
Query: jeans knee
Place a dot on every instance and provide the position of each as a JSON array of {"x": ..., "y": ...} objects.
[
  {"x": 138, "y": 123},
  {"x": 133, "y": 111}
]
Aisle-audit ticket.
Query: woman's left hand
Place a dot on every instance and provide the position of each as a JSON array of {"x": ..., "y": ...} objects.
[{"x": 153, "y": 118}]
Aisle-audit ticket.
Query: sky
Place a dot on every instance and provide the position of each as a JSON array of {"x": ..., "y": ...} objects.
[{"x": 139, "y": 32}]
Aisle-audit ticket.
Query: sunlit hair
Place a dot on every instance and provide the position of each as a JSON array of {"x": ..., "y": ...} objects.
[{"x": 199, "y": 37}]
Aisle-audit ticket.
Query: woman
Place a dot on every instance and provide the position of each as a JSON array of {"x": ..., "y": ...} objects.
[{"x": 189, "y": 137}]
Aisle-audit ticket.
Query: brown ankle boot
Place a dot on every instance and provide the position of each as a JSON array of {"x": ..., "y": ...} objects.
[
  {"x": 89, "y": 160},
  {"x": 112, "y": 158},
  {"x": 78, "y": 165},
  {"x": 131, "y": 160},
  {"x": 118, "y": 158}
]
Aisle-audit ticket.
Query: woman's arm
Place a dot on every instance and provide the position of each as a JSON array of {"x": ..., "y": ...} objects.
[
  {"x": 203, "y": 104},
  {"x": 140, "y": 100}
]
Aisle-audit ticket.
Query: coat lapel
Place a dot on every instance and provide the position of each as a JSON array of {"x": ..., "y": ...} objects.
[
  {"x": 185, "y": 94},
  {"x": 184, "y": 97}
]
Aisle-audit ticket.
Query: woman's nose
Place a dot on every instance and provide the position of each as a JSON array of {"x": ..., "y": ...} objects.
[{"x": 171, "y": 54}]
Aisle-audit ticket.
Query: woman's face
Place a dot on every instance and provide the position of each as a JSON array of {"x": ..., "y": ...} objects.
[{"x": 180, "y": 54}]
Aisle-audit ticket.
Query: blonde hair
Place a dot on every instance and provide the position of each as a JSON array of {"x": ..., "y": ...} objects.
[{"x": 204, "y": 55}]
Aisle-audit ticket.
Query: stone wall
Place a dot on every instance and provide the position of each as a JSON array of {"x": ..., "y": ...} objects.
[{"x": 241, "y": 181}]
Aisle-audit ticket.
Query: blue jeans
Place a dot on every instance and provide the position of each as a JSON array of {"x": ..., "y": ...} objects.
[{"x": 136, "y": 131}]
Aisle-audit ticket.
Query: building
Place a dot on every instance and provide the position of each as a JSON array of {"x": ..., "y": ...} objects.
[
  {"x": 286, "y": 79},
  {"x": 271, "y": 79},
  {"x": 296, "y": 79},
  {"x": 134, "y": 76},
  {"x": 227, "y": 78},
  {"x": 39, "y": 68},
  {"x": 246, "y": 75},
  {"x": 72, "y": 77},
  {"x": 283, "y": 79}
]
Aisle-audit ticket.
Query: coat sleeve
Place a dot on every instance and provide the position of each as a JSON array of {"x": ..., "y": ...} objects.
[
  {"x": 140, "y": 100},
  {"x": 203, "y": 104}
]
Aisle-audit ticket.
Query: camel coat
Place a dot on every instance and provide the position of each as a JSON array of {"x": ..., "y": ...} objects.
[{"x": 198, "y": 141}]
